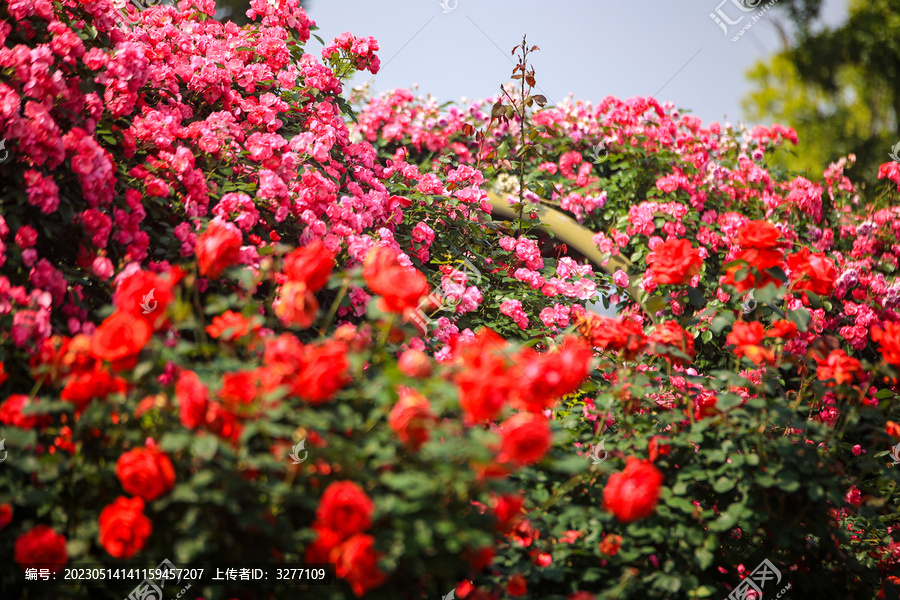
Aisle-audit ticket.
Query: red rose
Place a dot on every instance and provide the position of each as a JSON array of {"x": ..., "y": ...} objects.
[
  {"x": 311, "y": 265},
  {"x": 761, "y": 235},
  {"x": 82, "y": 387},
  {"x": 810, "y": 271},
  {"x": 120, "y": 336},
  {"x": 744, "y": 278},
  {"x": 633, "y": 493},
  {"x": 146, "y": 473},
  {"x": 483, "y": 382},
  {"x": 6, "y": 515},
  {"x": 411, "y": 417},
  {"x": 414, "y": 363},
  {"x": 239, "y": 389},
  {"x": 626, "y": 337},
  {"x": 838, "y": 368},
  {"x": 674, "y": 262},
  {"x": 611, "y": 544},
  {"x": 508, "y": 510},
  {"x": 3, "y": 374},
  {"x": 218, "y": 248},
  {"x": 324, "y": 548},
  {"x": 345, "y": 509},
  {"x": 11, "y": 413},
  {"x": 146, "y": 295},
  {"x": 526, "y": 437},
  {"x": 551, "y": 375},
  {"x": 516, "y": 586},
  {"x": 888, "y": 342},
  {"x": 670, "y": 335},
  {"x": 41, "y": 547},
  {"x": 358, "y": 564},
  {"x": 222, "y": 422},
  {"x": 783, "y": 329},
  {"x": 748, "y": 337},
  {"x": 124, "y": 528},
  {"x": 744, "y": 334},
  {"x": 296, "y": 305},
  {"x": 657, "y": 447},
  {"x": 400, "y": 287},
  {"x": 230, "y": 326},
  {"x": 325, "y": 370},
  {"x": 193, "y": 398}
]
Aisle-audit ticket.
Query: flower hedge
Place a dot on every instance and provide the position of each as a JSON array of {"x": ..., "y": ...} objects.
[{"x": 211, "y": 261}]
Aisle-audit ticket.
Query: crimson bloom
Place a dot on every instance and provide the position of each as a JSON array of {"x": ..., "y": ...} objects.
[
  {"x": 525, "y": 439},
  {"x": 146, "y": 473},
  {"x": 813, "y": 272},
  {"x": 888, "y": 339},
  {"x": 124, "y": 528},
  {"x": 120, "y": 336},
  {"x": 674, "y": 262},
  {"x": 358, "y": 564},
  {"x": 838, "y": 368},
  {"x": 632, "y": 494},
  {"x": 218, "y": 248},
  {"x": 400, "y": 287},
  {"x": 193, "y": 398},
  {"x": 41, "y": 547},
  {"x": 411, "y": 418},
  {"x": 345, "y": 509},
  {"x": 761, "y": 235},
  {"x": 310, "y": 265}
]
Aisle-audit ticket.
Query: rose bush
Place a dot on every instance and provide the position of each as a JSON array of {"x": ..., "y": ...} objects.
[{"x": 231, "y": 332}]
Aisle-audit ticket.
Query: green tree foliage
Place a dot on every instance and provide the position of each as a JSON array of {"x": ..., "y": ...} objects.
[{"x": 839, "y": 88}]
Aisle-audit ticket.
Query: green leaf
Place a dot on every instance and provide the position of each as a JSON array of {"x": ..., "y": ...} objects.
[{"x": 205, "y": 446}]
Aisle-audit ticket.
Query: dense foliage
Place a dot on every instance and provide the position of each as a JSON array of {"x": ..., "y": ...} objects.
[{"x": 242, "y": 322}]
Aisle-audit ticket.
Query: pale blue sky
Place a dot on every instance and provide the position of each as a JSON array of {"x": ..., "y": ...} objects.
[{"x": 591, "y": 48}]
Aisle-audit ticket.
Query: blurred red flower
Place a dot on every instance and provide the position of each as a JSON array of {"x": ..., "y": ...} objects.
[
  {"x": 358, "y": 564},
  {"x": 839, "y": 367},
  {"x": 124, "y": 528},
  {"x": 673, "y": 262},
  {"x": 526, "y": 437},
  {"x": 813, "y": 272},
  {"x": 11, "y": 413},
  {"x": 193, "y": 398},
  {"x": 411, "y": 418},
  {"x": 345, "y": 509},
  {"x": 146, "y": 473},
  {"x": 310, "y": 265},
  {"x": 761, "y": 235},
  {"x": 218, "y": 248},
  {"x": 120, "y": 336},
  {"x": 41, "y": 547},
  {"x": 633, "y": 493},
  {"x": 296, "y": 305},
  {"x": 399, "y": 286},
  {"x": 888, "y": 340}
]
